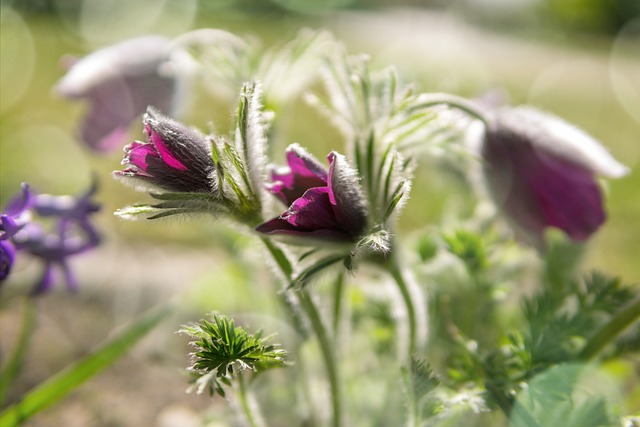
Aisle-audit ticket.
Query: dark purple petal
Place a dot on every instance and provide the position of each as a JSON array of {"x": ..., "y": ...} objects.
[
  {"x": 7, "y": 257},
  {"x": 19, "y": 203},
  {"x": 281, "y": 227},
  {"x": 304, "y": 172},
  {"x": 312, "y": 211},
  {"x": 538, "y": 189}
]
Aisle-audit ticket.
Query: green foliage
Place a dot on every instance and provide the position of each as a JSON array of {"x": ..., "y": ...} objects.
[
  {"x": 420, "y": 383},
  {"x": 558, "y": 327},
  {"x": 469, "y": 247},
  {"x": 224, "y": 351},
  {"x": 59, "y": 385}
]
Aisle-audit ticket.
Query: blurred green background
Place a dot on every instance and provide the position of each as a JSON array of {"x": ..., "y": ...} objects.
[{"x": 579, "y": 59}]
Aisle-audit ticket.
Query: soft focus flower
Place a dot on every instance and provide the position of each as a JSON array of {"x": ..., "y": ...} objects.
[
  {"x": 174, "y": 158},
  {"x": 12, "y": 220},
  {"x": 325, "y": 205},
  {"x": 72, "y": 232},
  {"x": 542, "y": 172},
  {"x": 119, "y": 82}
]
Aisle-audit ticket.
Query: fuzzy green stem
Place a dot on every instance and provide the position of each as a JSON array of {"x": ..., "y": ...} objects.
[
  {"x": 319, "y": 329},
  {"x": 14, "y": 365},
  {"x": 467, "y": 106},
  {"x": 625, "y": 317},
  {"x": 247, "y": 405},
  {"x": 328, "y": 355},
  {"x": 338, "y": 296},
  {"x": 413, "y": 419},
  {"x": 403, "y": 287}
]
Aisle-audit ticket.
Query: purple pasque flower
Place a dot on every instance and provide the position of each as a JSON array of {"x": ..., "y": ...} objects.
[
  {"x": 12, "y": 220},
  {"x": 72, "y": 232},
  {"x": 174, "y": 158},
  {"x": 119, "y": 82},
  {"x": 323, "y": 205},
  {"x": 542, "y": 172}
]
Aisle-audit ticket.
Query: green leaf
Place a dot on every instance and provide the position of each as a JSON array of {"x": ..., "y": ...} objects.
[
  {"x": 59, "y": 385},
  {"x": 224, "y": 350},
  {"x": 14, "y": 366},
  {"x": 307, "y": 274},
  {"x": 134, "y": 211}
]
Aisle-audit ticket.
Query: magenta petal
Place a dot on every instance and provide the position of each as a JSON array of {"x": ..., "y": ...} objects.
[
  {"x": 165, "y": 153},
  {"x": 303, "y": 165},
  {"x": 136, "y": 154},
  {"x": 312, "y": 211},
  {"x": 304, "y": 172}
]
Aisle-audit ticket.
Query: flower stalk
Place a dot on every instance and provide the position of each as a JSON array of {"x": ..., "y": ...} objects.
[
  {"x": 467, "y": 106},
  {"x": 17, "y": 357},
  {"x": 611, "y": 329},
  {"x": 328, "y": 355},
  {"x": 416, "y": 315},
  {"x": 326, "y": 349},
  {"x": 248, "y": 404}
]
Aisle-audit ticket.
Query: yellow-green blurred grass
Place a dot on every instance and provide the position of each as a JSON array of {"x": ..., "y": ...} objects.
[{"x": 38, "y": 144}]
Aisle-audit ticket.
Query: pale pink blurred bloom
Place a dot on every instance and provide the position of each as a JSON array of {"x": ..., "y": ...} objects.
[{"x": 119, "y": 82}]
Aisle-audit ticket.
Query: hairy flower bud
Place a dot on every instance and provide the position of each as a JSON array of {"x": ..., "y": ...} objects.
[
  {"x": 174, "y": 158},
  {"x": 542, "y": 172}
]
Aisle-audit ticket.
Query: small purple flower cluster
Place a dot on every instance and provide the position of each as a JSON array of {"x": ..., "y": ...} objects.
[{"x": 72, "y": 234}]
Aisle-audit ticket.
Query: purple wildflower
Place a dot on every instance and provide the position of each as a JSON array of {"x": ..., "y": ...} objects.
[
  {"x": 73, "y": 232},
  {"x": 174, "y": 158},
  {"x": 324, "y": 205},
  {"x": 542, "y": 173},
  {"x": 12, "y": 220},
  {"x": 119, "y": 82}
]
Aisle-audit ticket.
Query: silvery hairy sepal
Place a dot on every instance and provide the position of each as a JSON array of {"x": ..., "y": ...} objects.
[
  {"x": 541, "y": 171},
  {"x": 119, "y": 82}
]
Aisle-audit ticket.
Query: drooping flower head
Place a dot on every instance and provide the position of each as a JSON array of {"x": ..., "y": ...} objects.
[
  {"x": 542, "y": 173},
  {"x": 70, "y": 234},
  {"x": 174, "y": 158},
  {"x": 119, "y": 82},
  {"x": 322, "y": 205}
]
